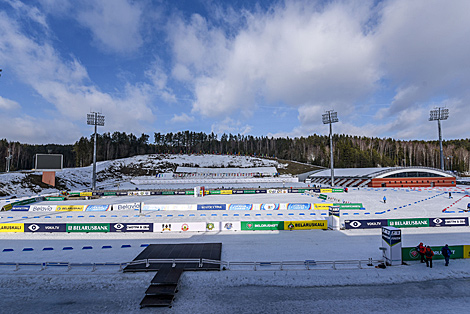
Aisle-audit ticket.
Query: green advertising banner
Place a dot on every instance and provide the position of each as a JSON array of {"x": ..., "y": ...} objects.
[
  {"x": 411, "y": 254},
  {"x": 51, "y": 198},
  {"x": 411, "y": 222},
  {"x": 74, "y": 193},
  {"x": 109, "y": 193},
  {"x": 24, "y": 202},
  {"x": 189, "y": 192},
  {"x": 337, "y": 190},
  {"x": 262, "y": 225},
  {"x": 91, "y": 227},
  {"x": 323, "y": 196},
  {"x": 349, "y": 206},
  {"x": 168, "y": 193},
  {"x": 214, "y": 192},
  {"x": 249, "y": 191}
]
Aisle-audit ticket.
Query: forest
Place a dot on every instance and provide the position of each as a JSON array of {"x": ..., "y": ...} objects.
[{"x": 349, "y": 151}]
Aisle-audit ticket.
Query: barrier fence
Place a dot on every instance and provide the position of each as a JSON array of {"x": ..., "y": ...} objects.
[{"x": 407, "y": 223}]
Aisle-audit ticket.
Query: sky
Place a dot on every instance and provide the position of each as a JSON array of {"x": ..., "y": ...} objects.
[{"x": 262, "y": 68}]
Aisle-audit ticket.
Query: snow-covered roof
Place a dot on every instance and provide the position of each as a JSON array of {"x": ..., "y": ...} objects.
[
  {"x": 263, "y": 170},
  {"x": 376, "y": 172}
]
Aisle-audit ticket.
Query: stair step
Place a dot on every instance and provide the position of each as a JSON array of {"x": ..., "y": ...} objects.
[
  {"x": 161, "y": 290},
  {"x": 156, "y": 301},
  {"x": 167, "y": 276}
]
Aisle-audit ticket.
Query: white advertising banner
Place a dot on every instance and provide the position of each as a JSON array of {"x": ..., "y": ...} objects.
[
  {"x": 179, "y": 227},
  {"x": 42, "y": 208},
  {"x": 230, "y": 225},
  {"x": 175, "y": 207},
  {"x": 138, "y": 193},
  {"x": 127, "y": 206}
]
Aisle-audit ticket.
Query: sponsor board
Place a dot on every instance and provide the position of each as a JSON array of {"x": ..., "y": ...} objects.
[
  {"x": 349, "y": 206},
  {"x": 97, "y": 208},
  {"x": 226, "y": 192},
  {"x": 315, "y": 190},
  {"x": 88, "y": 227},
  {"x": 214, "y": 192},
  {"x": 334, "y": 211},
  {"x": 55, "y": 198},
  {"x": 305, "y": 225},
  {"x": 262, "y": 225},
  {"x": 322, "y": 206},
  {"x": 301, "y": 206},
  {"x": 466, "y": 251},
  {"x": 12, "y": 227},
  {"x": 156, "y": 193},
  {"x": 326, "y": 191},
  {"x": 409, "y": 223},
  {"x": 230, "y": 226},
  {"x": 249, "y": 192},
  {"x": 411, "y": 254},
  {"x": 20, "y": 208},
  {"x": 211, "y": 207},
  {"x": 189, "y": 192},
  {"x": 269, "y": 207},
  {"x": 323, "y": 197},
  {"x": 69, "y": 208},
  {"x": 180, "y": 227},
  {"x": 86, "y": 194},
  {"x": 261, "y": 191},
  {"x": 213, "y": 226},
  {"x": 391, "y": 237},
  {"x": 365, "y": 224},
  {"x": 127, "y": 206},
  {"x": 140, "y": 193},
  {"x": 337, "y": 190},
  {"x": 237, "y": 191},
  {"x": 42, "y": 227},
  {"x": 121, "y": 193},
  {"x": 448, "y": 222},
  {"x": 131, "y": 227},
  {"x": 7, "y": 207},
  {"x": 109, "y": 194},
  {"x": 240, "y": 206},
  {"x": 42, "y": 208},
  {"x": 170, "y": 207}
]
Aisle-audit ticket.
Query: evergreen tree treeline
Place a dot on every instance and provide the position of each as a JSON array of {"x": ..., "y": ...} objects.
[{"x": 350, "y": 151}]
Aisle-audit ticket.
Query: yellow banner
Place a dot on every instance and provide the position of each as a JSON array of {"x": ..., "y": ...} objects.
[
  {"x": 86, "y": 193},
  {"x": 326, "y": 190},
  {"x": 226, "y": 192},
  {"x": 466, "y": 251},
  {"x": 69, "y": 208},
  {"x": 305, "y": 225},
  {"x": 322, "y": 206},
  {"x": 7, "y": 207},
  {"x": 16, "y": 227}
]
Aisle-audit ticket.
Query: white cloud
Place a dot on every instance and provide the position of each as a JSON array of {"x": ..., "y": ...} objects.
[
  {"x": 182, "y": 118},
  {"x": 229, "y": 125},
  {"x": 7, "y": 104},
  {"x": 115, "y": 25}
]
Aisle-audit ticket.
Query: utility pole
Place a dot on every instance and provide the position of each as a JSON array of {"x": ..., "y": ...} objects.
[
  {"x": 331, "y": 117},
  {"x": 95, "y": 118},
  {"x": 8, "y": 158},
  {"x": 439, "y": 114}
]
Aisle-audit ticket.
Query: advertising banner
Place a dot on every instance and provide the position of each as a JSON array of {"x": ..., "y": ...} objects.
[
  {"x": 189, "y": 192},
  {"x": 269, "y": 207},
  {"x": 25, "y": 202},
  {"x": 447, "y": 222},
  {"x": 240, "y": 206},
  {"x": 315, "y": 190},
  {"x": 55, "y": 198},
  {"x": 214, "y": 192},
  {"x": 127, "y": 206},
  {"x": 349, "y": 206},
  {"x": 181, "y": 192},
  {"x": 180, "y": 227},
  {"x": 249, "y": 192},
  {"x": 322, "y": 206},
  {"x": 88, "y": 227},
  {"x": 97, "y": 208},
  {"x": 12, "y": 227},
  {"x": 226, "y": 192},
  {"x": 213, "y": 226},
  {"x": 122, "y": 193},
  {"x": 338, "y": 190},
  {"x": 86, "y": 194},
  {"x": 408, "y": 223},
  {"x": 41, "y": 227},
  {"x": 365, "y": 224},
  {"x": 305, "y": 225},
  {"x": 140, "y": 193},
  {"x": 20, "y": 208},
  {"x": 156, "y": 193},
  {"x": 109, "y": 194},
  {"x": 261, "y": 191},
  {"x": 326, "y": 190},
  {"x": 237, "y": 191},
  {"x": 301, "y": 206},
  {"x": 69, "y": 208},
  {"x": 42, "y": 208},
  {"x": 131, "y": 227},
  {"x": 323, "y": 197},
  {"x": 262, "y": 225},
  {"x": 211, "y": 207},
  {"x": 411, "y": 254},
  {"x": 230, "y": 225},
  {"x": 170, "y": 207},
  {"x": 466, "y": 251}
]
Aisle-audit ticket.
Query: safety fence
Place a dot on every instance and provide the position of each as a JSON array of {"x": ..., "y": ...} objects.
[
  {"x": 458, "y": 251},
  {"x": 224, "y": 265},
  {"x": 407, "y": 223}
]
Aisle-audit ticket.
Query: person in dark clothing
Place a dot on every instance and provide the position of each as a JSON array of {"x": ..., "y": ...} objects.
[
  {"x": 446, "y": 252},
  {"x": 385, "y": 200},
  {"x": 429, "y": 254},
  {"x": 421, "y": 250},
  {"x": 450, "y": 195}
]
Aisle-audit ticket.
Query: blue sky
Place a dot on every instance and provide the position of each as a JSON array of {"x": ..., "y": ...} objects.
[{"x": 266, "y": 68}]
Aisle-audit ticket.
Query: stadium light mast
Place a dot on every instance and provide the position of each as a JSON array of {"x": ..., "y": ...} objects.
[
  {"x": 96, "y": 119},
  {"x": 439, "y": 114},
  {"x": 331, "y": 117}
]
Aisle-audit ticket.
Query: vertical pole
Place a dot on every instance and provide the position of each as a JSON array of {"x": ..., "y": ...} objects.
[
  {"x": 331, "y": 153},
  {"x": 440, "y": 141},
  {"x": 94, "y": 154}
]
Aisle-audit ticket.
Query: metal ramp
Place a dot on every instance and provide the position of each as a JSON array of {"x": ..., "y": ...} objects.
[{"x": 163, "y": 288}]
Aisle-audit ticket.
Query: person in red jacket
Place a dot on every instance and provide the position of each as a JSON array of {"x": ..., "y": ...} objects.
[
  {"x": 421, "y": 250},
  {"x": 429, "y": 254}
]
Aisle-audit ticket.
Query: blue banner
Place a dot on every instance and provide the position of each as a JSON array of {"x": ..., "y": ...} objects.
[
  {"x": 18, "y": 208},
  {"x": 448, "y": 222},
  {"x": 96, "y": 208},
  {"x": 131, "y": 227},
  {"x": 237, "y": 191},
  {"x": 261, "y": 191},
  {"x": 41, "y": 227},
  {"x": 365, "y": 224},
  {"x": 156, "y": 193},
  {"x": 211, "y": 207},
  {"x": 269, "y": 206},
  {"x": 302, "y": 206},
  {"x": 240, "y": 207}
]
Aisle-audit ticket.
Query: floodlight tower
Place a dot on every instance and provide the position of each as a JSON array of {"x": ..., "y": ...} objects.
[
  {"x": 439, "y": 114},
  {"x": 95, "y": 118},
  {"x": 331, "y": 117}
]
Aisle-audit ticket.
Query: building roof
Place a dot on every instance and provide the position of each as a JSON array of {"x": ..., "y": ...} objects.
[{"x": 377, "y": 172}]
